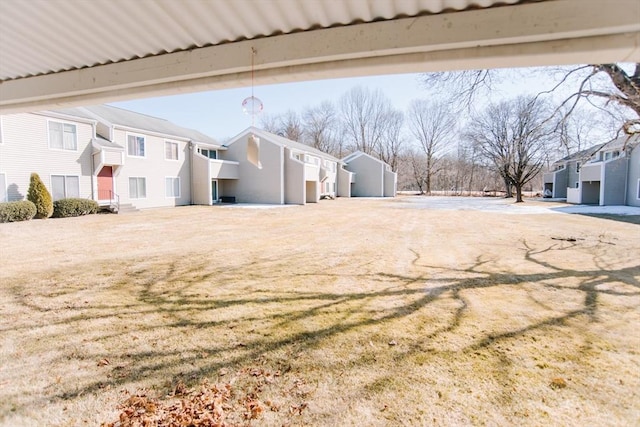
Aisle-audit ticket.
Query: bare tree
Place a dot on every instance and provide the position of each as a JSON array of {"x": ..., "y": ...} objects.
[
  {"x": 416, "y": 159},
  {"x": 321, "y": 124},
  {"x": 287, "y": 125},
  {"x": 432, "y": 124},
  {"x": 365, "y": 117},
  {"x": 461, "y": 87},
  {"x": 513, "y": 136},
  {"x": 598, "y": 85},
  {"x": 619, "y": 87},
  {"x": 392, "y": 141}
]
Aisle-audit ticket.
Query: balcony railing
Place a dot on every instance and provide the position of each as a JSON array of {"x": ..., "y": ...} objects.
[{"x": 105, "y": 196}]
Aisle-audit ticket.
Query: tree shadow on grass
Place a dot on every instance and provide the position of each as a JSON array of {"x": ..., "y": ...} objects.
[{"x": 277, "y": 319}]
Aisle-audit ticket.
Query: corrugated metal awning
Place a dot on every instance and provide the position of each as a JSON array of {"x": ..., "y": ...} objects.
[{"x": 42, "y": 36}]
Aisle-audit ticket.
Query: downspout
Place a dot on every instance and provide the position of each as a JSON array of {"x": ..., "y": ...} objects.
[
  {"x": 93, "y": 169},
  {"x": 626, "y": 180},
  {"x": 191, "y": 172}
]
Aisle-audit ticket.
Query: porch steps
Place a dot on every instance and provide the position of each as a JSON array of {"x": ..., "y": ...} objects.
[{"x": 126, "y": 208}]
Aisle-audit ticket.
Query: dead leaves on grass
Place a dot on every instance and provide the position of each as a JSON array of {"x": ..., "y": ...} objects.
[
  {"x": 233, "y": 403},
  {"x": 558, "y": 383}
]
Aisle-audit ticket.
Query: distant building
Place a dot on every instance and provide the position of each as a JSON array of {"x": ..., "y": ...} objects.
[
  {"x": 607, "y": 174},
  {"x": 373, "y": 177}
]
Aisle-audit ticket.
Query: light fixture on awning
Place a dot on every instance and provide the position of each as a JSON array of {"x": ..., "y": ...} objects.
[{"x": 253, "y": 106}]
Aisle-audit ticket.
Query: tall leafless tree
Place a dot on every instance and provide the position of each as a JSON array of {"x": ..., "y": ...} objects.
[
  {"x": 513, "y": 136},
  {"x": 432, "y": 124},
  {"x": 599, "y": 85},
  {"x": 321, "y": 128},
  {"x": 365, "y": 118},
  {"x": 288, "y": 125},
  {"x": 392, "y": 141}
]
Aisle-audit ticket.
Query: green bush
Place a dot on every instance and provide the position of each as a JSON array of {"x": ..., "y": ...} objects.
[
  {"x": 40, "y": 197},
  {"x": 66, "y": 208},
  {"x": 23, "y": 210}
]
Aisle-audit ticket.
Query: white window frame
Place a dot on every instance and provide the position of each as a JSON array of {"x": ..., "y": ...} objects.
[
  {"x": 209, "y": 151},
  {"x": 144, "y": 146},
  {"x": 145, "y": 187},
  {"x": 63, "y": 123},
  {"x": 177, "y": 150},
  {"x": 66, "y": 194},
  {"x": 166, "y": 178},
  {"x": 6, "y": 188}
]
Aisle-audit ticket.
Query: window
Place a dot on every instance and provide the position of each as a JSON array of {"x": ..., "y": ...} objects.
[
  {"x": 64, "y": 186},
  {"x": 170, "y": 150},
  {"x": 3, "y": 187},
  {"x": 611, "y": 155},
  {"x": 62, "y": 136},
  {"x": 172, "y": 187},
  {"x": 135, "y": 145},
  {"x": 212, "y": 154},
  {"x": 137, "y": 188}
]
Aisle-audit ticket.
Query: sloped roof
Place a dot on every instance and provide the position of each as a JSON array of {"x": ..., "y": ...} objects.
[
  {"x": 284, "y": 142},
  {"x": 359, "y": 153},
  {"x": 586, "y": 153},
  {"x": 100, "y": 141},
  {"x": 625, "y": 141},
  {"x": 133, "y": 120}
]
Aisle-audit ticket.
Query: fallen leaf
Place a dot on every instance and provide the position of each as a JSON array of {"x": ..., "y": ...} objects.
[{"x": 103, "y": 362}]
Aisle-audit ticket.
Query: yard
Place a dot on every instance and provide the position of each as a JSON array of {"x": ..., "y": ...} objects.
[{"x": 348, "y": 312}]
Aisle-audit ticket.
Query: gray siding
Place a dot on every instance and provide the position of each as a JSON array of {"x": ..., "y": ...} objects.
[
  {"x": 560, "y": 184},
  {"x": 591, "y": 172},
  {"x": 613, "y": 188},
  {"x": 633, "y": 178},
  {"x": 573, "y": 175},
  {"x": 155, "y": 169},
  {"x": 25, "y": 149}
]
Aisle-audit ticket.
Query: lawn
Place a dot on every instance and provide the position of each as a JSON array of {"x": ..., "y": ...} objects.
[{"x": 347, "y": 312}]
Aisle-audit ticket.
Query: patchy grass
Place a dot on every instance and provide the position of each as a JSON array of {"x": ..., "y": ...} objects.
[{"x": 349, "y": 312}]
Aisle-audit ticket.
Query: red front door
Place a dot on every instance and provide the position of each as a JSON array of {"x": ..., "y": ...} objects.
[{"x": 105, "y": 183}]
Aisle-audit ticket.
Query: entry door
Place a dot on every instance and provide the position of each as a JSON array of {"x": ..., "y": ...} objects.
[
  {"x": 105, "y": 183},
  {"x": 214, "y": 191}
]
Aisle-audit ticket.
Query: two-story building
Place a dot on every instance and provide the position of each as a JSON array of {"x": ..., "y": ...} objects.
[
  {"x": 611, "y": 176},
  {"x": 565, "y": 173},
  {"x": 124, "y": 159}
]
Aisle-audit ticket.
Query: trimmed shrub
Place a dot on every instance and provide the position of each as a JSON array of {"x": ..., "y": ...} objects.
[
  {"x": 22, "y": 210},
  {"x": 66, "y": 208},
  {"x": 40, "y": 197}
]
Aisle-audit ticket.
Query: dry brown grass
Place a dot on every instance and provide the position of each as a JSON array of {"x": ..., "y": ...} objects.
[{"x": 354, "y": 313}]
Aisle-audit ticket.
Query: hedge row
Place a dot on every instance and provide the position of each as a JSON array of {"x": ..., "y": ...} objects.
[
  {"x": 22, "y": 210},
  {"x": 66, "y": 208}
]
